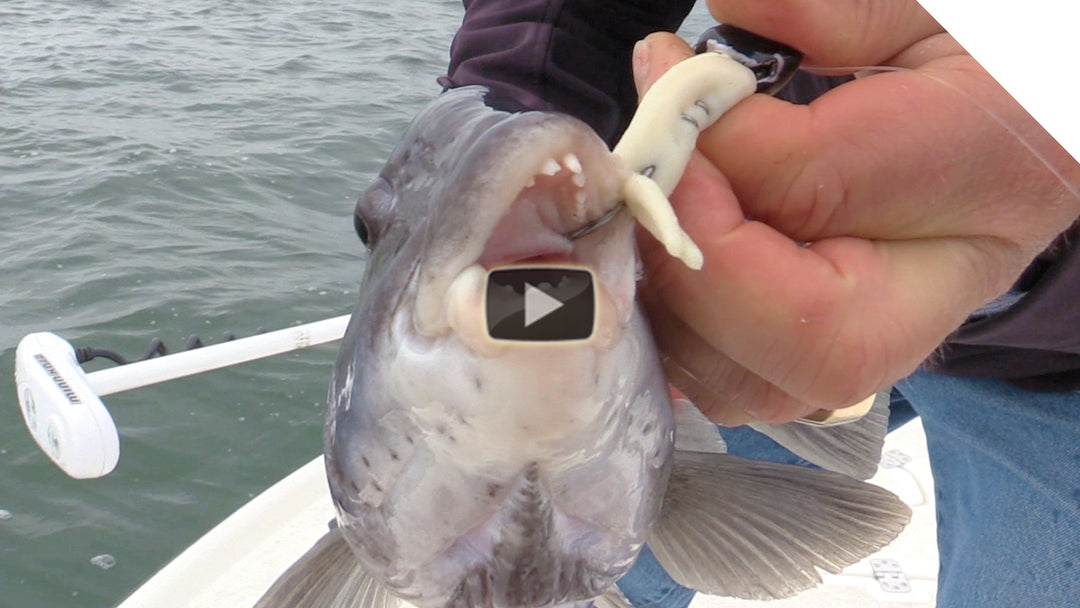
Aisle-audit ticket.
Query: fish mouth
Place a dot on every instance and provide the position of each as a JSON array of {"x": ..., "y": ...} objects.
[
  {"x": 552, "y": 213},
  {"x": 556, "y": 200}
]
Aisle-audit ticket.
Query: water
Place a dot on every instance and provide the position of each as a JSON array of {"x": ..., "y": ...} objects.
[{"x": 178, "y": 167}]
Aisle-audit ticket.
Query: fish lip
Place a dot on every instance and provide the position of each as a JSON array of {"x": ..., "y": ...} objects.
[{"x": 534, "y": 145}]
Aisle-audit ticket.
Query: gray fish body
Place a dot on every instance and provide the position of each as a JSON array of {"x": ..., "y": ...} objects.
[
  {"x": 474, "y": 473},
  {"x": 527, "y": 477}
]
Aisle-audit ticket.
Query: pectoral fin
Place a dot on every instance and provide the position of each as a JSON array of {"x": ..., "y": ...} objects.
[
  {"x": 853, "y": 448},
  {"x": 760, "y": 530},
  {"x": 327, "y": 576}
]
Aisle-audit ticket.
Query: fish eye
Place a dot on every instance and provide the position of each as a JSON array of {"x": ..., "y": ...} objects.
[
  {"x": 372, "y": 210},
  {"x": 361, "y": 228}
]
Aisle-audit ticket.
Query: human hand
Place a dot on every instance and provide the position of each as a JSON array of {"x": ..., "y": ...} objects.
[{"x": 846, "y": 239}]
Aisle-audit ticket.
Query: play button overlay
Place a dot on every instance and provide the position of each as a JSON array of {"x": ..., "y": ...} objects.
[{"x": 540, "y": 304}]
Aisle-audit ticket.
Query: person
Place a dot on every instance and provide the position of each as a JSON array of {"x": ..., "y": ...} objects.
[{"x": 914, "y": 228}]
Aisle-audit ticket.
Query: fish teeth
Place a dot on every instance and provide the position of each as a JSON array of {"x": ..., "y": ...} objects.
[
  {"x": 571, "y": 162},
  {"x": 531, "y": 182},
  {"x": 551, "y": 167},
  {"x": 578, "y": 179}
]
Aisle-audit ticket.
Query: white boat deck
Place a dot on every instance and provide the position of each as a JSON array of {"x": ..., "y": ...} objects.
[{"x": 234, "y": 564}]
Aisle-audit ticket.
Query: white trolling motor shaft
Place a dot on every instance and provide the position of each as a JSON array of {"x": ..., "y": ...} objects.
[{"x": 62, "y": 405}]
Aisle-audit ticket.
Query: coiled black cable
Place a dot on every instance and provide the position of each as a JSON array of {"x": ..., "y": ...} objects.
[{"x": 157, "y": 348}]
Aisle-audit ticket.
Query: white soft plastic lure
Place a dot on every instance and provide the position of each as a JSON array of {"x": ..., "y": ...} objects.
[{"x": 687, "y": 99}]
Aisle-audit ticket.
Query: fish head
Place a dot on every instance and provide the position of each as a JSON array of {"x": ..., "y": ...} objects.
[
  {"x": 493, "y": 189},
  {"x": 468, "y": 470}
]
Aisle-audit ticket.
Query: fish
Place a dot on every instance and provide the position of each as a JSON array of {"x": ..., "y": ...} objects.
[{"x": 468, "y": 471}]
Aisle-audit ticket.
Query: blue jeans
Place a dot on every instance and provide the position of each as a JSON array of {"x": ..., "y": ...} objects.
[{"x": 1006, "y": 465}]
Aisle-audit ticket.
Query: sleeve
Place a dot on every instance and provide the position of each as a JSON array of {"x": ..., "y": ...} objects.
[{"x": 570, "y": 56}]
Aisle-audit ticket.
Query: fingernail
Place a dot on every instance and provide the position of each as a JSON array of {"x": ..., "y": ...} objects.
[{"x": 640, "y": 62}]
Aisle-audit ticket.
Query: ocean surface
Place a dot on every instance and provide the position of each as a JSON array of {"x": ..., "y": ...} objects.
[{"x": 180, "y": 167}]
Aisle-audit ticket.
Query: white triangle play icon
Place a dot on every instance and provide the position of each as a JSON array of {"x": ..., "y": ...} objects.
[{"x": 538, "y": 304}]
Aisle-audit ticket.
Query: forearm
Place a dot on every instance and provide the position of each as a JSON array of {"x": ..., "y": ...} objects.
[{"x": 571, "y": 56}]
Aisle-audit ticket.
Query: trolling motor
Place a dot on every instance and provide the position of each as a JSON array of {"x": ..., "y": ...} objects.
[
  {"x": 63, "y": 413},
  {"x": 62, "y": 405}
]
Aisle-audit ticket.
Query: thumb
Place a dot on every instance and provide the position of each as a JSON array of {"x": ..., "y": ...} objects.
[
  {"x": 834, "y": 32},
  {"x": 654, "y": 55}
]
